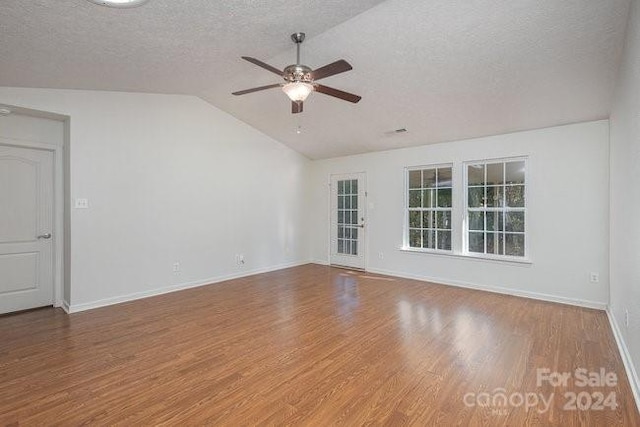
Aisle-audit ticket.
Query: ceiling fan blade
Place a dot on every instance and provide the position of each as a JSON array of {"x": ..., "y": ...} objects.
[
  {"x": 255, "y": 89},
  {"x": 296, "y": 107},
  {"x": 334, "y": 68},
  {"x": 259, "y": 63},
  {"x": 337, "y": 93}
]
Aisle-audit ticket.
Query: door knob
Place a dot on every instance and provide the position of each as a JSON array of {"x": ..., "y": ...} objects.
[{"x": 45, "y": 236}]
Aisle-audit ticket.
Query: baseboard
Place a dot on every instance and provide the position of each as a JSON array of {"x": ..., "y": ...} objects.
[
  {"x": 632, "y": 374},
  {"x": 75, "y": 308},
  {"x": 65, "y": 306},
  {"x": 320, "y": 262},
  {"x": 496, "y": 289}
]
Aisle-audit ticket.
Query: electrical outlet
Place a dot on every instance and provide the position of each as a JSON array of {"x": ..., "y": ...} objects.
[
  {"x": 381, "y": 255},
  {"x": 241, "y": 259},
  {"x": 594, "y": 277},
  {"x": 81, "y": 204},
  {"x": 176, "y": 267},
  {"x": 626, "y": 318}
]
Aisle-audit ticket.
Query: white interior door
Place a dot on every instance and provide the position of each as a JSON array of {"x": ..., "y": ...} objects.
[
  {"x": 348, "y": 220},
  {"x": 26, "y": 227}
]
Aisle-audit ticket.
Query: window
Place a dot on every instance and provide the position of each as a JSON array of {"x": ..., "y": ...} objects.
[
  {"x": 495, "y": 207},
  {"x": 429, "y": 208}
]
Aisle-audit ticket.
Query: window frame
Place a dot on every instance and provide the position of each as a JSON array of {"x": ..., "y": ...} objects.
[
  {"x": 465, "y": 227},
  {"x": 406, "y": 232}
]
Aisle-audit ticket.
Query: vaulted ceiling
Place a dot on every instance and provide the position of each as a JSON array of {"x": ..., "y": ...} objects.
[{"x": 442, "y": 69}]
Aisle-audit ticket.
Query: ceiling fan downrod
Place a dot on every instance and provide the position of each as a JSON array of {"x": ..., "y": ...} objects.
[{"x": 297, "y": 38}]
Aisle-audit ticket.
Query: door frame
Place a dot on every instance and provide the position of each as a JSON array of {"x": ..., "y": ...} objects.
[
  {"x": 365, "y": 211},
  {"x": 58, "y": 252}
]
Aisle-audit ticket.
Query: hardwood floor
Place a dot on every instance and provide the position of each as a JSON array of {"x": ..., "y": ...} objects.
[{"x": 311, "y": 345}]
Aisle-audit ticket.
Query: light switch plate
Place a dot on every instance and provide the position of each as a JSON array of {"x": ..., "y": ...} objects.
[{"x": 82, "y": 204}]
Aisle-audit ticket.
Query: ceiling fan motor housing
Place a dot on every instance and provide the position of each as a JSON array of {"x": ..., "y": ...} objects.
[{"x": 297, "y": 73}]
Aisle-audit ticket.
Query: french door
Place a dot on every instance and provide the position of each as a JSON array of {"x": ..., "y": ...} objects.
[{"x": 347, "y": 220}]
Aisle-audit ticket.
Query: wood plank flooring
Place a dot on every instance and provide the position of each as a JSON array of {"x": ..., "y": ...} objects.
[{"x": 310, "y": 345}]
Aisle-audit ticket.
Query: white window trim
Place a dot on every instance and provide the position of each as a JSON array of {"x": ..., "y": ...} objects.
[
  {"x": 500, "y": 259},
  {"x": 465, "y": 221},
  {"x": 405, "y": 228}
]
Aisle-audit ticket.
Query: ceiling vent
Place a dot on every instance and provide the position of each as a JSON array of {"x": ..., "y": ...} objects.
[{"x": 119, "y": 3}]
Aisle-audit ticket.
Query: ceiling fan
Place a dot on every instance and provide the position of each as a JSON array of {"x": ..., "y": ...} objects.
[{"x": 300, "y": 80}]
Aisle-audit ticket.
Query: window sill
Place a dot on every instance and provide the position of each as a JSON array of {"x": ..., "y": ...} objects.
[{"x": 497, "y": 259}]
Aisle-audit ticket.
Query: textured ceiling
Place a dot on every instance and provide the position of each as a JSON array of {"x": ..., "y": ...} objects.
[{"x": 443, "y": 69}]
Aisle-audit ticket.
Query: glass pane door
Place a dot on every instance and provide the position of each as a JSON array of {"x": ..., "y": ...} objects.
[{"x": 347, "y": 220}]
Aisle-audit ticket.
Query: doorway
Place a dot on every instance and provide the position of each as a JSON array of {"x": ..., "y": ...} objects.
[
  {"x": 347, "y": 230},
  {"x": 32, "y": 180}
]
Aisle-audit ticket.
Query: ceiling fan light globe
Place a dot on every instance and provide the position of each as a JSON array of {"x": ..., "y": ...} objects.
[{"x": 297, "y": 91}]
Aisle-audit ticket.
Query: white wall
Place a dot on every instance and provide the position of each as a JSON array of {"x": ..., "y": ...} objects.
[
  {"x": 625, "y": 199},
  {"x": 567, "y": 212},
  {"x": 170, "y": 179}
]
